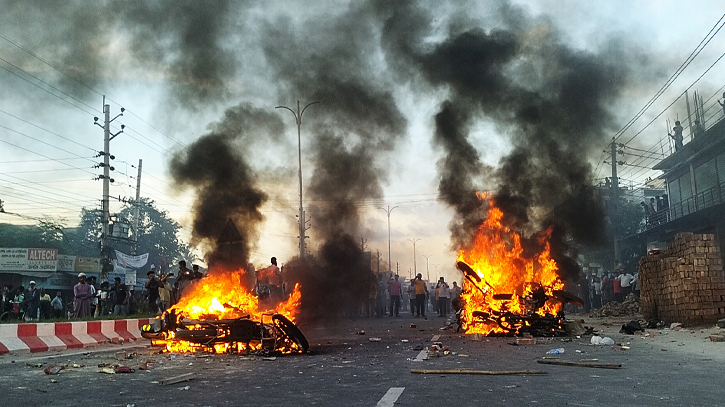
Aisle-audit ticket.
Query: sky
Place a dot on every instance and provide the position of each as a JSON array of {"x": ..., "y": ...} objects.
[{"x": 404, "y": 117}]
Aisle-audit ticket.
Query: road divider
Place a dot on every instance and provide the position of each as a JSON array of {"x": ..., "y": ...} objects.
[{"x": 42, "y": 337}]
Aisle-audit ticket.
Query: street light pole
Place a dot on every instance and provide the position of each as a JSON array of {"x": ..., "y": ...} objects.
[
  {"x": 426, "y": 264},
  {"x": 415, "y": 269},
  {"x": 298, "y": 120},
  {"x": 388, "y": 212}
]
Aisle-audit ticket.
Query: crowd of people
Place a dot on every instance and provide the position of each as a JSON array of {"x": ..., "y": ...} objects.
[
  {"x": 389, "y": 297},
  {"x": 90, "y": 299},
  {"x": 598, "y": 291}
]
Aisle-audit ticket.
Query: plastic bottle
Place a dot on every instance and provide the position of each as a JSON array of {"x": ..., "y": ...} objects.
[{"x": 555, "y": 351}]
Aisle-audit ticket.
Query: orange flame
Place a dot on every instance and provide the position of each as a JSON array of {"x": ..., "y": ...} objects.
[
  {"x": 497, "y": 259},
  {"x": 221, "y": 295}
]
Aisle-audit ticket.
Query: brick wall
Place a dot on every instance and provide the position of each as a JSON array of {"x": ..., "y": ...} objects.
[{"x": 684, "y": 283}]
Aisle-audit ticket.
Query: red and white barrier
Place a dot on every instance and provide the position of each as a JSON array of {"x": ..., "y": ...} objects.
[{"x": 43, "y": 337}]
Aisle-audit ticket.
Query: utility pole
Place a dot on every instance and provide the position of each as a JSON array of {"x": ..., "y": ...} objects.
[
  {"x": 615, "y": 202},
  {"x": 107, "y": 137},
  {"x": 415, "y": 269},
  {"x": 378, "y": 259},
  {"x": 298, "y": 120},
  {"x": 138, "y": 208},
  {"x": 387, "y": 211},
  {"x": 428, "y": 256},
  {"x": 362, "y": 243}
]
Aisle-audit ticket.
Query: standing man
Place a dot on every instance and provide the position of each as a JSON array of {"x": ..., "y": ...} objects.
[
  {"x": 444, "y": 293},
  {"x": 380, "y": 297},
  {"x": 57, "y": 305},
  {"x": 196, "y": 274},
  {"x": 153, "y": 285},
  {"x": 617, "y": 287},
  {"x": 32, "y": 298},
  {"x": 411, "y": 297},
  {"x": 396, "y": 290},
  {"x": 273, "y": 277},
  {"x": 626, "y": 280},
  {"x": 120, "y": 297},
  {"x": 421, "y": 290},
  {"x": 184, "y": 278},
  {"x": 82, "y": 295}
]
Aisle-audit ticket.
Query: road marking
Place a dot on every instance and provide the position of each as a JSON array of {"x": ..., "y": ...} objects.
[
  {"x": 435, "y": 338},
  {"x": 390, "y": 397},
  {"x": 423, "y": 355}
]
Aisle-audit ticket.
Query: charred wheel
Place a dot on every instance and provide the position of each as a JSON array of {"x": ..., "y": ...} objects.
[{"x": 290, "y": 332}]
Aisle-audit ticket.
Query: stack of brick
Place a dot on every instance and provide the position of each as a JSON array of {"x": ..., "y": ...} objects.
[{"x": 684, "y": 283}]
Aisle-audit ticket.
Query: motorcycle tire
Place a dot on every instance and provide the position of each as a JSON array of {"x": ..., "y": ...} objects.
[
  {"x": 291, "y": 331},
  {"x": 5, "y": 316}
]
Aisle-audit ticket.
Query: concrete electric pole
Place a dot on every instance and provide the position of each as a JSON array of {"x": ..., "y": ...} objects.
[
  {"x": 298, "y": 120},
  {"x": 106, "y": 177},
  {"x": 138, "y": 208},
  {"x": 415, "y": 269},
  {"x": 387, "y": 211}
]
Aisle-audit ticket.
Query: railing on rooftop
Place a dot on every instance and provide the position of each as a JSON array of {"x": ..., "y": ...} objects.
[{"x": 703, "y": 200}]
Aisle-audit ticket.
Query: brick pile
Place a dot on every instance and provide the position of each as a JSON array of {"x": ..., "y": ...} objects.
[{"x": 684, "y": 283}]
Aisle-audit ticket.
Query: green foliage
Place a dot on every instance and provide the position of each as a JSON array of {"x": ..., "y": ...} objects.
[{"x": 47, "y": 233}]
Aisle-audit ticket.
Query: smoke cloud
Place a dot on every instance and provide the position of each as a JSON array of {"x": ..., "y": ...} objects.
[{"x": 225, "y": 185}]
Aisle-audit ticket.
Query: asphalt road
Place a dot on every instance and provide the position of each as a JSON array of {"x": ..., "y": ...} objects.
[{"x": 345, "y": 368}]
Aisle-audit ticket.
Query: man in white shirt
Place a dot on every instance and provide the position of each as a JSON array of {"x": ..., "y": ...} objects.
[
  {"x": 626, "y": 280},
  {"x": 444, "y": 293}
]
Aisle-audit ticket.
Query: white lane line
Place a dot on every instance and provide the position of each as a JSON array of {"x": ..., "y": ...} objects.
[
  {"x": 423, "y": 355},
  {"x": 435, "y": 338},
  {"x": 390, "y": 397}
]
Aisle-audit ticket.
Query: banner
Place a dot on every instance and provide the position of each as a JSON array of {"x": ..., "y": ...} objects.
[
  {"x": 66, "y": 263},
  {"x": 127, "y": 261},
  {"x": 87, "y": 264},
  {"x": 18, "y": 259}
]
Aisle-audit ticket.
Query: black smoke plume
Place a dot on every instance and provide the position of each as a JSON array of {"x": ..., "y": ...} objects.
[
  {"x": 551, "y": 100},
  {"x": 225, "y": 186},
  {"x": 352, "y": 134}
]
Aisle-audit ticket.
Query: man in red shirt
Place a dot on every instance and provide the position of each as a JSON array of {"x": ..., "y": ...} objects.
[
  {"x": 395, "y": 292},
  {"x": 617, "y": 285}
]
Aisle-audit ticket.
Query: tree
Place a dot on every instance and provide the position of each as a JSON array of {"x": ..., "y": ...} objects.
[
  {"x": 47, "y": 233},
  {"x": 157, "y": 233}
]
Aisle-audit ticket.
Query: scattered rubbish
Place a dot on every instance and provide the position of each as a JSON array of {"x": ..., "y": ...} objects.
[
  {"x": 555, "y": 351},
  {"x": 375, "y": 339},
  {"x": 146, "y": 365},
  {"x": 630, "y": 306},
  {"x": 53, "y": 381},
  {"x": 404, "y": 341},
  {"x": 655, "y": 324},
  {"x": 721, "y": 323},
  {"x": 361, "y": 332},
  {"x": 589, "y": 360},
  {"x": 76, "y": 366},
  {"x": 462, "y": 355},
  {"x": 107, "y": 370},
  {"x": 676, "y": 326},
  {"x": 598, "y": 340},
  {"x": 53, "y": 369},
  {"x": 34, "y": 364},
  {"x": 550, "y": 357},
  {"x": 122, "y": 356},
  {"x": 413, "y": 325},
  {"x": 270, "y": 358},
  {"x": 526, "y": 341},
  {"x": 580, "y": 364},
  {"x": 123, "y": 369},
  {"x": 478, "y": 372},
  {"x": 511, "y": 386},
  {"x": 631, "y": 328},
  {"x": 177, "y": 379},
  {"x": 717, "y": 338},
  {"x": 104, "y": 364},
  {"x": 184, "y": 388},
  {"x": 574, "y": 328}
]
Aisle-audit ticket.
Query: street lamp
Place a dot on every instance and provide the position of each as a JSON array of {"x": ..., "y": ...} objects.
[
  {"x": 298, "y": 120},
  {"x": 426, "y": 264},
  {"x": 415, "y": 269},
  {"x": 390, "y": 264}
]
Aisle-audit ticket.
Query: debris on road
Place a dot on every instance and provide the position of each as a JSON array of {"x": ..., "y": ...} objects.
[
  {"x": 556, "y": 351},
  {"x": 598, "y": 340},
  {"x": 580, "y": 364},
  {"x": 630, "y": 306},
  {"x": 177, "y": 379},
  {"x": 53, "y": 369},
  {"x": 375, "y": 339},
  {"x": 478, "y": 372}
]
